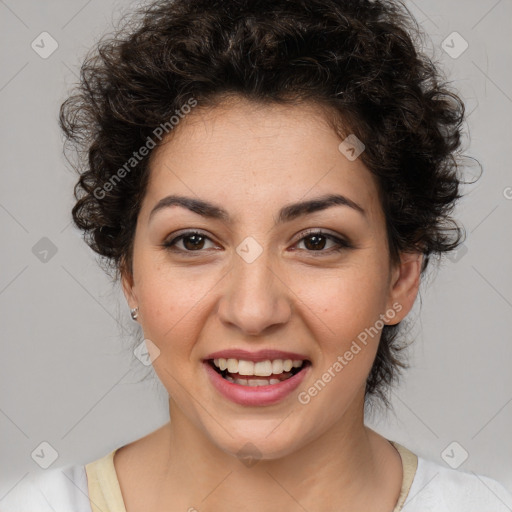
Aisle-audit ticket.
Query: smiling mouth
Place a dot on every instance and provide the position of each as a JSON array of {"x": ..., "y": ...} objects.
[{"x": 258, "y": 380}]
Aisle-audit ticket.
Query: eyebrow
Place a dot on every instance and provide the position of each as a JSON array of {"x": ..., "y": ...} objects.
[{"x": 286, "y": 214}]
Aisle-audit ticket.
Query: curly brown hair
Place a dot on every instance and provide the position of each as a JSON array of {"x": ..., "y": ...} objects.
[{"x": 358, "y": 59}]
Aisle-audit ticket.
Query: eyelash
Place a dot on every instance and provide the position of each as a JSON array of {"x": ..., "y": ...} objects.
[{"x": 341, "y": 243}]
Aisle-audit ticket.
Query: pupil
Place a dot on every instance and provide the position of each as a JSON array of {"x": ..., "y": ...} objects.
[
  {"x": 316, "y": 244},
  {"x": 198, "y": 241}
]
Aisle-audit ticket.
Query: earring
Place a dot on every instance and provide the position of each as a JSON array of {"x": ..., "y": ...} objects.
[{"x": 135, "y": 313}]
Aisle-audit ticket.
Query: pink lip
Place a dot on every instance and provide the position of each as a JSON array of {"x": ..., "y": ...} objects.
[
  {"x": 255, "y": 395},
  {"x": 259, "y": 355}
]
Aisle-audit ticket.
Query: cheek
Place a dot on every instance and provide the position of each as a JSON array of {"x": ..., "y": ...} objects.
[
  {"x": 170, "y": 320},
  {"x": 345, "y": 302},
  {"x": 345, "y": 325},
  {"x": 169, "y": 307},
  {"x": 174, "y": 301},
  {"x": 346, "y": 328}
]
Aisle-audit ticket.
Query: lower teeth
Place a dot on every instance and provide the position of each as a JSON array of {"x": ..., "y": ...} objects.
[{"x": 253, "y": 382}]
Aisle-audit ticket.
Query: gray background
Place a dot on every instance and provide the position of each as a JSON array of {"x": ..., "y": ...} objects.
[{"x": 68, "y": 376}]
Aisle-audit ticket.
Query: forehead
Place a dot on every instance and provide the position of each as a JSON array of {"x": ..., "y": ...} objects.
[{"x": 244, "y": 155}]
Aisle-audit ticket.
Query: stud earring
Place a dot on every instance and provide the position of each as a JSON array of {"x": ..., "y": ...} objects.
[{"x": 135, "y": 313}]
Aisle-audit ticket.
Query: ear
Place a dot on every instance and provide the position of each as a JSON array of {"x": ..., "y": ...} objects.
[
  {"x": 128, "y": 285},
  {"x": 404, "y": 284}
]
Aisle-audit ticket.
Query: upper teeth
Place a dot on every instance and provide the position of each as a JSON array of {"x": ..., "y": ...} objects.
[{"x": 261, "y": 368}]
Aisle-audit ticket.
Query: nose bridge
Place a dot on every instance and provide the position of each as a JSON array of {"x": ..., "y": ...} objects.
[{"x": 255, "y": 298}]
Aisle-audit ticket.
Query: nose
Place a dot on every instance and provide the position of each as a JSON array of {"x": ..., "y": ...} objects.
[{"x": 256, "y": 298}]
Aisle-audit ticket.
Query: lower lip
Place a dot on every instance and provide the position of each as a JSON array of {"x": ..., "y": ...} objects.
[{"x": 255, "y": 395}]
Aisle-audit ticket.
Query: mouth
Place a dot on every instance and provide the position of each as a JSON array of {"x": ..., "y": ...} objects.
[{"x": 255, "y": 374}]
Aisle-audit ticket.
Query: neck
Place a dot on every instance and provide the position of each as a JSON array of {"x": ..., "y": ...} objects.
[{"x": 347, "y": 465}]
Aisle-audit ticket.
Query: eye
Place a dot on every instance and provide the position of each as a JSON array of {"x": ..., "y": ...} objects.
[
  {"x": 316, "y": 241},
  {"x": 191, "y": 241}
]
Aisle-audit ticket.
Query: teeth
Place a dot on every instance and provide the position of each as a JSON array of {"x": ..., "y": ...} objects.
[
  {"x": 246, "y": 368},
  {"x": 263, "y": 368},
  {"x": 277, "y": 366},
  {"x": 232, "y": 366},
  {"x": 253, "y": 382},
  {"x": 259, "y": 369}
]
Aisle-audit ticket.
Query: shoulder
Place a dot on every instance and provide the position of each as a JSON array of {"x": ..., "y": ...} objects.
[
  {"x": 436, "y": 488},
  {"x": 54, "y": 490}
]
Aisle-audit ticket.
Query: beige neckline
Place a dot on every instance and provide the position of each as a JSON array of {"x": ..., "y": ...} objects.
[
  {"x": 105, "y": 492},
  {"x": 409, "y": 466}
]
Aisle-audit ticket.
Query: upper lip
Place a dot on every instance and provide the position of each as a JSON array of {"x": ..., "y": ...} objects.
[{"x": 259, "y": 355}]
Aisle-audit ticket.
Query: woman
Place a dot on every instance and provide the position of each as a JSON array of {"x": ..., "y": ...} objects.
[{"x": 269, "y": 180}]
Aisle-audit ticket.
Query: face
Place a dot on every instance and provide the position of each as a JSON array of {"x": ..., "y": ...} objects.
[{"x": 251, "y": 279}]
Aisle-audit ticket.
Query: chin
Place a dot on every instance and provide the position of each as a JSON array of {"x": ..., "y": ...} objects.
[{"x": 259, "y": 444}]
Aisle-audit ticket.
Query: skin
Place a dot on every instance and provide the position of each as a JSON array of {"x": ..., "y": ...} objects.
[{"x": 252, "y": 160}]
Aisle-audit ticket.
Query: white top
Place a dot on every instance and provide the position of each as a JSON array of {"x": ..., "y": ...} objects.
[
  {"x": 55, "y": 490},
  {"x": 426, "y": 487},
  {"x": 436, "y": 488}
]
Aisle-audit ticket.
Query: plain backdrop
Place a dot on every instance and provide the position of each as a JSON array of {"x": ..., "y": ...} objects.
[{"x": 68, "y": 374}]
